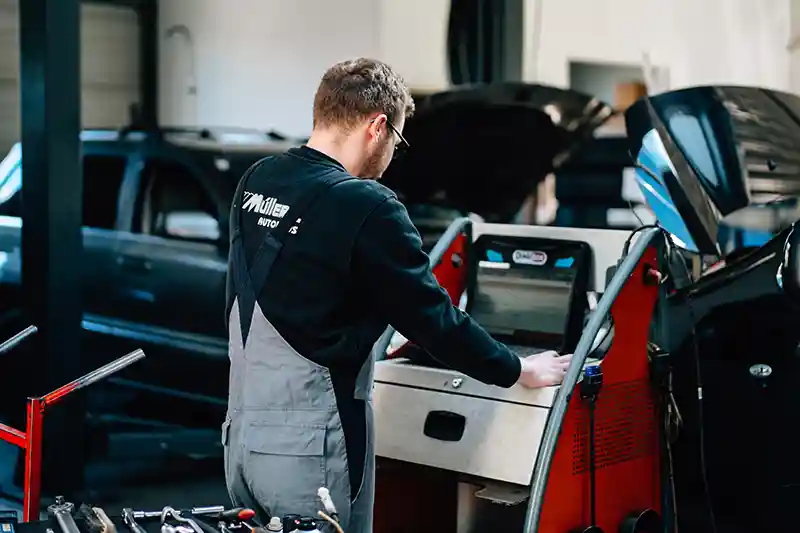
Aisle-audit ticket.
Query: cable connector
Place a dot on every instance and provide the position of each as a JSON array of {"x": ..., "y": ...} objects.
[
  {"x": 660, "y": 364},
  {"x": 592, "y": 382}
]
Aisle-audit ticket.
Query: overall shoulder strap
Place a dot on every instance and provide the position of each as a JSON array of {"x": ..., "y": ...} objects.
[
  {"x": 236, "y": 205},
  {"x": 250, "y": 277}
]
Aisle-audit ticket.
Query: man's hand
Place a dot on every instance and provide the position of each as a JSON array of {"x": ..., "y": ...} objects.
[{"x": 543, "y": 370}]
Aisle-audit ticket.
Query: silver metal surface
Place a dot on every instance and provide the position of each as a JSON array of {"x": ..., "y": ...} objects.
[
  {"x": 170, "y": 513},
  {"x": 442, "y": 380},
  {"x": 210, "y": 509},
  {"x": 11, "y": 343},
  {"x": 111, "y": 368},
  {"x": 502, "y": 431},
  {"x": 558, "y": 410},
  {"x": 500, "y": 439},
  {"x": 66, "y": 523},
  {"x": 128, "y": 516},
  {"x": 62, "y": 511}
]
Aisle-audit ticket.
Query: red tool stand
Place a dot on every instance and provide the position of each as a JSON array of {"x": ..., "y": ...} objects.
[{"x": 31, "y": 439}]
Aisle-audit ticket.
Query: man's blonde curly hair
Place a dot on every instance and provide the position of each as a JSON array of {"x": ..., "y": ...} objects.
[{"x": 353, "y": 90}]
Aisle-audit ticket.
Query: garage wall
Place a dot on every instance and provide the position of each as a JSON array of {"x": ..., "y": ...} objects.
[
  {"x": 794, "y": 45},
  {"x": 110, "y": 67},
  {"x": 109, "y": 64},
  {"x": 256, "y": 63},
  {"x": 413, "y": 39},
  {"x": 698, "y": 41},
  {"x": 695, "y": 41}
]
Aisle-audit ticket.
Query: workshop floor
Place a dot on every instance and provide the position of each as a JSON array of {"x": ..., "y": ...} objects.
[{"x": 204, "y": 485}]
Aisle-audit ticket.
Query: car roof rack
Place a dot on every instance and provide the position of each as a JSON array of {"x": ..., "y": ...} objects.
[{"x": 222, "y": 135}]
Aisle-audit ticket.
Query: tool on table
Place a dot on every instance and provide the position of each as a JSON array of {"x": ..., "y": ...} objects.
[
  {"x": 61, "y": 511},
  {"x": 275, "y": 525},
  {"x": 290, "y": 522},
  {"x": 212, "y": 511},
  {"x": 168, "y": 528},
  {"x": 327, "y": 502},
  {"x": 237, "y": 514},
  {"x": 330, "y": 515},
  {"x": 108, "y": 525},
  {"x": 235, "y": 519},
  {"x": 93, "y": 520},
  {"x": 306, "y": 524},
  {"x": 196, "y": 526},
  {"x": 128, "y": 516}
]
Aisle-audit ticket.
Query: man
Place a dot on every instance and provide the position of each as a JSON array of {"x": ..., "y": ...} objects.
[{"x": 322, "y": 259}]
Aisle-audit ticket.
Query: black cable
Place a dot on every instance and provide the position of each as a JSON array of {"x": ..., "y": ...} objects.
[
  {"x": 633, "y": 210},
  {"x": 667, "y": 400},
  {"x": 592, "y": 465},
  {"x": 700, "y": 409},
  {"x": 670, "y": 474},
  {"x": 626, "y": 247},
  {"x": 698, "y": 373}
]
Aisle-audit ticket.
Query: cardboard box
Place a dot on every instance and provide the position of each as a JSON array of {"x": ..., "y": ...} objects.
[{"x": 625, "y": 94}]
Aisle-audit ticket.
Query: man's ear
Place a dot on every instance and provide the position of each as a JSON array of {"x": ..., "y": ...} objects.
[{"x": 376, "y": 126}]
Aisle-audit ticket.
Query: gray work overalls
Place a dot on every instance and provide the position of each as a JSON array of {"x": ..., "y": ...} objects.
[{"x": 283, "y": 436}]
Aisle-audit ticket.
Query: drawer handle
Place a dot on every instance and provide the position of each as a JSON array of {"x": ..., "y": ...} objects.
[{"x": 445, "y": 425}]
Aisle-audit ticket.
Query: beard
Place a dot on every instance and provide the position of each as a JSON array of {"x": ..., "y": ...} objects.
[{"x": 378, "y": 161}]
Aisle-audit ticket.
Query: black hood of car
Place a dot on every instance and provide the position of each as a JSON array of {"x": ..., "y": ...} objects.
[
  {"x": 710, "y": 151},
  {"x": 482, "y": 149}
]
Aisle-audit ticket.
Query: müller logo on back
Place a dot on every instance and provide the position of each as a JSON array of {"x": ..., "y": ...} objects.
[
  {"x": 529, "y": 257},
  {"x": 266, "y": 206}
]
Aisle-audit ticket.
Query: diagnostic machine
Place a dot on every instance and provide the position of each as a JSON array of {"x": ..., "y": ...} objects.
[{"x": 584, "y": 456}]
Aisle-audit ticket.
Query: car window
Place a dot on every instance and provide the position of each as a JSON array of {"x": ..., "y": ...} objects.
[
  {"x": 102, "y": 180},
  {"x": 175, "y": 204},
  {"x": 102, "y": 174}
]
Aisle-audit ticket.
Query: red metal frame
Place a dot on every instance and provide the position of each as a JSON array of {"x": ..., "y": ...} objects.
[
  {"x": 629, "y": 474},
  {"x": 451, "y": 275},
  {"x": 31, "y": 440}
]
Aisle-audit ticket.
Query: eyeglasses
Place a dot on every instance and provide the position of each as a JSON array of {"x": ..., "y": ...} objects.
[{"x": 402, "y": 144}]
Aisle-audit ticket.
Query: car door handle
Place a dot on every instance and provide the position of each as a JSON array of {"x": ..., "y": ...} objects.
[{"x": 135, "y": 264}]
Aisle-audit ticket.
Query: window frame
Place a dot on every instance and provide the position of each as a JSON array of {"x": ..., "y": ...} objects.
[
  {"x": 110, "y": 150},
  {"x": 171, "y": 156},
  {"x": 125, "y": 179}
]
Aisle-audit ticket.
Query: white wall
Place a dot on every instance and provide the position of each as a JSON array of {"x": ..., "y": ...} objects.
[
  {"x": 258, "y": 62},
  {"x": 794, "y": 46},
  {"x": 413, "y": 39},
  {"x": 699, "y": 41}
]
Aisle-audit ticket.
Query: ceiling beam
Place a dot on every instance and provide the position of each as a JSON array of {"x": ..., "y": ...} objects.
[{"x": 135, "y": 4}]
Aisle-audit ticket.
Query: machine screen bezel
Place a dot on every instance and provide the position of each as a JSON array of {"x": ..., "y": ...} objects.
[{"x": 577, "y": 303}]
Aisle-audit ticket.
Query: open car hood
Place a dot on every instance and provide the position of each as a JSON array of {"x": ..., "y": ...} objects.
[
  {"x": 482, "y": 149},
  {"x": 706, "y": 152}
]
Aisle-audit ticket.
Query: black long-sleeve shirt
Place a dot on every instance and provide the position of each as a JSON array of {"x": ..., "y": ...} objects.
[{"x": 356, "y": 265}]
